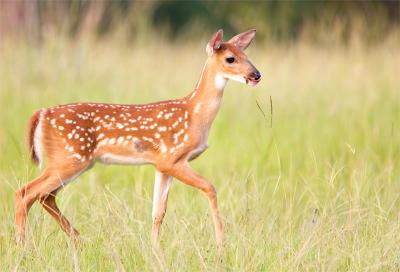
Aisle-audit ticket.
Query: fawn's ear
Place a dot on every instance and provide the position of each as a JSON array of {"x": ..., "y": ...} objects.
[
  {"x": 215, "y": 42},
  {"x": 243, "y": 40}
]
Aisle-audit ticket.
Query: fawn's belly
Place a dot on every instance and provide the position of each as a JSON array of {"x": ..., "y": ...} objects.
[
  {"x": 197, "y": 151},
  {"x": 110, "y": 158}
]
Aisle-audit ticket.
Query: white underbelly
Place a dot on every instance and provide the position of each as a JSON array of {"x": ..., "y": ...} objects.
[
  {"x": 197, "y": 151},
  {"x": 109, "y": 158}
]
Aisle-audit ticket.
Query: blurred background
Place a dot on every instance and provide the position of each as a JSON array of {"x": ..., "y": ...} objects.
[{"x": 278, "y": 21}]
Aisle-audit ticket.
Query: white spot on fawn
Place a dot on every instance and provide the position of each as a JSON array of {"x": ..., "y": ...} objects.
[{"x": 197, "y": 107}]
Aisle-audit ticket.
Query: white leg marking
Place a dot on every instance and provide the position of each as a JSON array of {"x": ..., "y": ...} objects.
[{"x": 161, "y": 188}]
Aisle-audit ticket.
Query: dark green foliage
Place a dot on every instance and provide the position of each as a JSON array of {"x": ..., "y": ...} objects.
[{"x": 278, "y": 20}]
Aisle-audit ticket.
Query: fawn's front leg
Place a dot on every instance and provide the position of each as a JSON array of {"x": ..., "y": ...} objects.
[
  {"x": 187, "y": 175},
  {"x": 160, "y": 198}
]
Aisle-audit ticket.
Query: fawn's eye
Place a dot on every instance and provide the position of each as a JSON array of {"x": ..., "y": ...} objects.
[{"x": 230, "y": 60}]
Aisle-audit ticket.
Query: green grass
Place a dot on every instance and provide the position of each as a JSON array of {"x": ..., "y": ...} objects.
[{"x": 319, "y": 190}]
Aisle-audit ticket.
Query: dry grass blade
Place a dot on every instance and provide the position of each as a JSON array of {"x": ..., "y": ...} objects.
[
  {"x": 261, "y": 110},
  {"x": 272, "y": 111}
]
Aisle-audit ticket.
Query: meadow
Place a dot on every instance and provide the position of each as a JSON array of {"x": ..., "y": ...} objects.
[{"x": 313, "y": 186}]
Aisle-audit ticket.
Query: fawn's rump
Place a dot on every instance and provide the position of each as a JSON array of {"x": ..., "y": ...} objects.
[{"x": 34, "y": 138}]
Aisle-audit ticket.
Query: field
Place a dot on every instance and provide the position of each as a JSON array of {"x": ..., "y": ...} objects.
[{"x": 313, "y": 186}]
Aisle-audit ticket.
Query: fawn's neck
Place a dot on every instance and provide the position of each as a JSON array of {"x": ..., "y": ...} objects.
[{"x": 206, "y": 99}]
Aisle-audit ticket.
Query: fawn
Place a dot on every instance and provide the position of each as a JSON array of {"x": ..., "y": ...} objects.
[{"x": 166, "y": 134}]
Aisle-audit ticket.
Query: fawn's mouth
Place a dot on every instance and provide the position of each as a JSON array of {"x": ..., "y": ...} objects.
[{"x": 252, "y": 81}]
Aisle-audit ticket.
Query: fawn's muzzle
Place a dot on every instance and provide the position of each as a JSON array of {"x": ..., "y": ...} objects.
[
  {"x": 256, "y": 75},
  {"x": 253, "y": 78}
]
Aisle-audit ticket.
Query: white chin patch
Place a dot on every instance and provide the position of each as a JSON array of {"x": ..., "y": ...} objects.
[
  {"x": 220, "y": 82},
  {"x": 237, "y": 78}
]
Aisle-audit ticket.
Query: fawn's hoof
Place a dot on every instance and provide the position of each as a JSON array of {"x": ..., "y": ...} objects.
[{"x": 19, "y": 239}]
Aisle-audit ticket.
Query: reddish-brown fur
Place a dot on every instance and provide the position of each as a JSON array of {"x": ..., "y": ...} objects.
[
  {"x": 166, "y": 134},
  {"x": 82, "y": 127}
]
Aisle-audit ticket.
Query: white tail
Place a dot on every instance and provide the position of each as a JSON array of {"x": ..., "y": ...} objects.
[{"x": 167, "y": 134}]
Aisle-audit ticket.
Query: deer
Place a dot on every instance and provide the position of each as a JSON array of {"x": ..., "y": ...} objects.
[{"x": 169, "y": 134}]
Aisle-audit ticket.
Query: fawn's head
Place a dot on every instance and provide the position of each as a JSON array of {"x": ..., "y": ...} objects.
[{"x": 230, "y": 60}]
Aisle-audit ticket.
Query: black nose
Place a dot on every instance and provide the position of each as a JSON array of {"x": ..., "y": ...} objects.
[{"x": 256, "y": 75}]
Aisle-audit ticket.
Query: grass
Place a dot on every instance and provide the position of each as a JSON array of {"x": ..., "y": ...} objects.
[{"x": 319, "y": 190}]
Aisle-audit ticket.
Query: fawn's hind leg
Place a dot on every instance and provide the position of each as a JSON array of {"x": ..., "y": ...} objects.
[
  {"x": 23, "y": 202},
  {"x": 49, "y": 204},
  {"x": 40, "y": 188}
]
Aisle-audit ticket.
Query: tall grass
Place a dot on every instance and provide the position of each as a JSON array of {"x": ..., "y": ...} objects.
[{"x": 319, "y": 190}]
